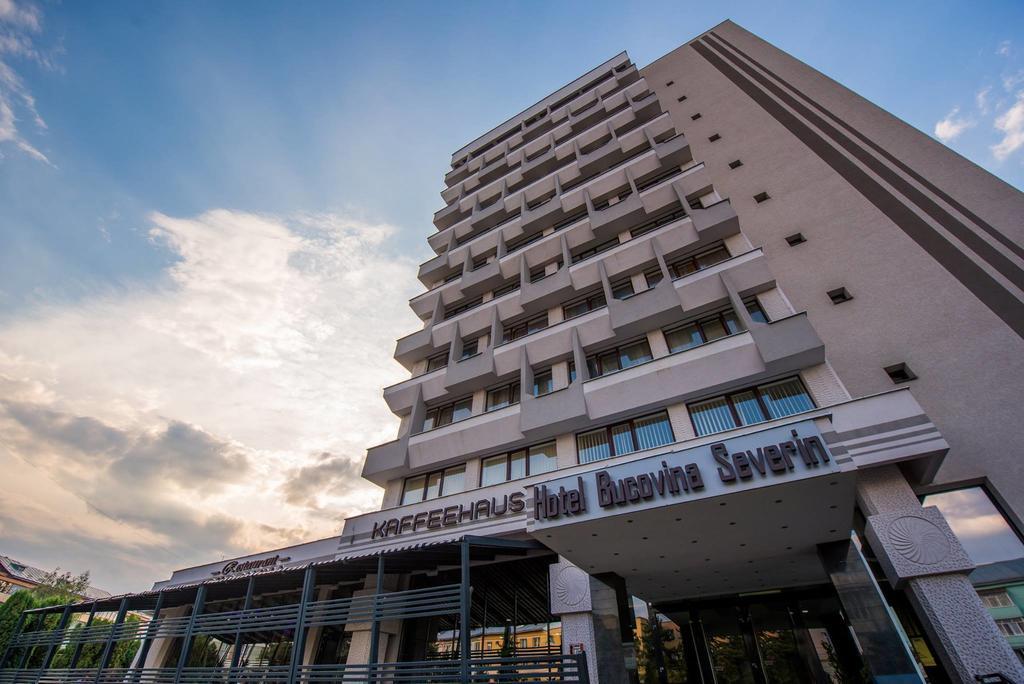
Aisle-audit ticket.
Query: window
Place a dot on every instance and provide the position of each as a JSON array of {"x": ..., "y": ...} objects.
[
  {"x": 647, "y": 183},
  {"x": 480, "y": 261},
  {"x": 453, "y": 275},
  {"x": 594, "y": 251},
  {"x": 900, "y": 373},
  {"x": 681, "y": 98},
  {"x": 795, "y": 239},
  {"x": 500, "y": 397},
  {"x": 1011, "y": 626},
  {"x": 514, "y": 331},
  {"x": 543, "y": 383},
  {"x": 619, "y": 358},
  {"x": 432, "y": 485},
  {"x": 757, "y": 314},
  {"x": 714, "y": 138},
  {"x": 702, "y": 331},
  {"x": 448, "y": 413},
  {"x": 518, "y": 464},
  {"x": 695, "y": 116},
  {"x": 470, "y": 348},
  {"x": 437, "y": 361},
  {"x": 622, "y": 289},
  {"x": 653, "y": 276},
  {"x": 762, "y": 197},
  {"x": 536, "y": 642},
  {"x": 455, "y": 310},
  {"x": 696, "y": 262},
  {"x": 735, "y": 164},
  {"x": 623, "y": 438},
  {"x": 979, "y": 525},
  {"x": 670, "y": 83},
  {"x": 541, "y": 272},
  {"x": 997, "y": 598},
  {"x": 511, "y": 286},
  {"x": 839, "y": 295},
  {"x": 756, "y": 405},
  {"x": 583, "y": 305},
  {"x": 654, "y": 224}
]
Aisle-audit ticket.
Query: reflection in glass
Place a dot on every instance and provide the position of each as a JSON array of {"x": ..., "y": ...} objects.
[{"x": 986, "y": 535}]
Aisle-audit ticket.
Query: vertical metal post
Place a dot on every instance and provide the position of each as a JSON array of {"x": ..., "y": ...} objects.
[
  {"x": 299, "y": 640},
  {"x": 108, "y": 648},
  {"x": 147, "y": 640},
  {"x": 14, "y": 636},
  {"x": 28, "y": 649},
  {"x": 186, "y": 646},
  {"x": 464, "y": 614},
  {"x": 51, "y": 648},
  {"x": 77, "y": 653},
  {"x": 375, "y": 624},
  {"x": 236, "y": 652}
]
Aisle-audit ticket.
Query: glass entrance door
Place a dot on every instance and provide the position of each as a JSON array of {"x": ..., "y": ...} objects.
[{"x": 793, "y": 637}]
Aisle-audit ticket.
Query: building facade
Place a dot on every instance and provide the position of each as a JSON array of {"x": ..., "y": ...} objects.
[{"x": 713, "y": 344}]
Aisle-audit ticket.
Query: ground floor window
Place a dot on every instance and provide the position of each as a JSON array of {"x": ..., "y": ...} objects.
[{"x": 979, "y": 525}]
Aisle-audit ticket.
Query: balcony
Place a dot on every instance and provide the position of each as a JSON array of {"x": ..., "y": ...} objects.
[
  {"x": 674, "y": 151},
  {"x": 717, "y": 221},
  {"x": 433, "y": 269},
  {"x": 646, "y": 310},
  {"x": 402, "y": 397},
  {"x": 561, "y": 411},
  {"x": 600, "y": 158},
  {"x": 748, "y": 273},
  {"x": 471, "y": 374},
  {"x": 482, "y": 279},
  {"x": 489, "y": 216},
  {"x": 414, "y": 347},
  {"x": 788, "y": 344},
  {"x": 547, "y": 291},
  {"x": 449, "y": 216},
  {"x": 540, "y": 164},
  {"x": 615, "y": 218},
  {"x": 386, "y": 461},
  {"x": 541, "y": 215},
  {"x": 458, "y": 441}
]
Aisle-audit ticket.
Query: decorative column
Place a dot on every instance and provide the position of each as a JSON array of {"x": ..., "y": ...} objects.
[
  {"x": 921, "y": 555},
  {"x": 588, "y": 609}
]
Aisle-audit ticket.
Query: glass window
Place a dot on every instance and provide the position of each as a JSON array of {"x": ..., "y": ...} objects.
[
  {"x": 711, "y": 258},
  {"x": 684, "y": 338},
  {"x": 653, "y": 277},
  {"x": 1011, "y": 626},
  {"x": 436, "y": 362},
  {"x": 995, "y": 599},
  {"x": 413, "y": 489},
  {"x": 501, "y": 397},
  {"x": 712, "y": 416},
  {"x": 543, "y": 383},
  {"x": 450, "y": 413},
  {"x": 593, "y": 446},
  {"x": 622, "y": 289},
  {"x": 543, "y": 458},
  {"x": 469, "y": 348},
  {"x": 785, "y": 398},
  {"x": 985, "y": 533},
  {"x": 517, "y": 465},
  {"x": 714, "y": 328},
  {"x": 756, "y": 312},
  {"x": 454, "y": 480},
  {"x": 494, "y": 470},
  {"x": 583, "y": 305},
  {"x": 462, "y": 409},
  {"x": 766, "y": 402},
  {"x": 732, "y": 323},
  {"x": 634, "y": 354},
  {"x": 641, "y": 433},
  {"x": 692, "y": 264},
  {"x": 433, "y": 486}
]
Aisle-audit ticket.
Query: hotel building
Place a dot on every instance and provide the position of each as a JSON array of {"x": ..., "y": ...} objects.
[{"x": 713, "y": 347}]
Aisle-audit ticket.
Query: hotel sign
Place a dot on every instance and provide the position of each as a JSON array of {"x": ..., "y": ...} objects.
[{"x": 762, "y": 458}]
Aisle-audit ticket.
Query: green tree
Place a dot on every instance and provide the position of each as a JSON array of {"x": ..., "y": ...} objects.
[{"x": 56, "y": 588}]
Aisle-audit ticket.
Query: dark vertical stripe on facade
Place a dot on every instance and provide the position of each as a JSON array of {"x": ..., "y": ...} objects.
[
  {"x": 975, "y": 242},
  {"x": 941, "y": 194},
  {"x": 974, "y": 278}
]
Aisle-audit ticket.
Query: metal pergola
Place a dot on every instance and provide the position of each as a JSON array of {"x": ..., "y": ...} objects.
[{"x": 452, "y": 600}]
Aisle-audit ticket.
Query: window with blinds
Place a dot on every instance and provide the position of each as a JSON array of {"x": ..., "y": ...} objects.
[
  {"x": 638, "y": 434},
  {"x": 755, "y": 405}
]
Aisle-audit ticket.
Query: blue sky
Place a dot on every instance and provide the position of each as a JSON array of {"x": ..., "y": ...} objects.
[{"x": 191, "y": 192}]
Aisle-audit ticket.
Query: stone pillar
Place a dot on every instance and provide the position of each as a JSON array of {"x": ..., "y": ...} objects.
[
  {"x": 588, "y": 610},
  {"x": 157, "y": 655},
  {"x": 359, "y": 648},
  {"x": 921, "y": 555}
]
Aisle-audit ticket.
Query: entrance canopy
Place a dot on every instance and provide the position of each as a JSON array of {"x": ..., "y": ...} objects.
[{"x": 741, "y": 515}]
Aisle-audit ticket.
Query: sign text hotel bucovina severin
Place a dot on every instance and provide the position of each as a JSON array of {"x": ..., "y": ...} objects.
[{"x": 766, "y": 457}]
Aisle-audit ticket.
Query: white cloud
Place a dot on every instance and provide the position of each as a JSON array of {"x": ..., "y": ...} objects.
[
  {"x": 19, "y": 23},
  {"x": 263, "y": 349},
  {"x": 952, "y": 126},
  {"x": 981, "y": 100},
  {"x": 1003, "y": 50},
  {"x": 1011, "y": 125}
]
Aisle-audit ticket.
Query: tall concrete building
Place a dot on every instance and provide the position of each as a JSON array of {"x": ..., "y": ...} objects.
[{"x": 718, "y": 380}]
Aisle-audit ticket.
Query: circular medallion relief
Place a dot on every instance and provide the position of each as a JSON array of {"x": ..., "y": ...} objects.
[
  {"x": 571, "y": 586},
  {"x": 918, "y": 540}
]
